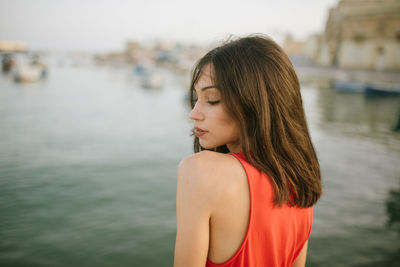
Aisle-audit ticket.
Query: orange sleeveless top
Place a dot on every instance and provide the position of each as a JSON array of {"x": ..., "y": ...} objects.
[{"x": 275, "y": 235}]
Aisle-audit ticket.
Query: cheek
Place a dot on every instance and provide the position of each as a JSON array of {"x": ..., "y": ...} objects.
[
  {"x": 223, "y": 129},
  {"x": 233, "y": 131},
  {"x": 226, "y": 124},
  {"x": 230, "y": 125}
]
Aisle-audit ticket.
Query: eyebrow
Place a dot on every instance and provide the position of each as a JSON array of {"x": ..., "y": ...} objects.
[{"x": 206, "y": 87}]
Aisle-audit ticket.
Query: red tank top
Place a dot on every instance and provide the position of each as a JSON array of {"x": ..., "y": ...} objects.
[{"x": 275, "y": 235}]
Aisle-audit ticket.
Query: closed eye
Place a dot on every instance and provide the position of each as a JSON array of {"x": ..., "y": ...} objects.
[{"x": 213, "y": 102}]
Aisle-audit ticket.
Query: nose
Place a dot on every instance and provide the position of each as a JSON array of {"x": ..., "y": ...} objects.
[{"x": 196, "y": 114}]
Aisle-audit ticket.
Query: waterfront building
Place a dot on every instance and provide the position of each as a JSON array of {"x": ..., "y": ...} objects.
[
  {"x": 7, "y": 46},
  {"x": 361, "y": 34},
  {"x": 293, "y": 47}
]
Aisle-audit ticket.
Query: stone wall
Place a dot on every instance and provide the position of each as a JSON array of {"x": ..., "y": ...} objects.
[{"x": 362, "y": 34}]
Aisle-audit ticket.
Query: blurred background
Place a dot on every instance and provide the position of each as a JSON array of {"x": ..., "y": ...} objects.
[{"x": 94, "y": 121}]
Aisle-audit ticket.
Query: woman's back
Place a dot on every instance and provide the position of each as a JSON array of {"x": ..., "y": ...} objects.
[
  {"x": 229, "y": 220},
  {"x": 275, "y": 235}
]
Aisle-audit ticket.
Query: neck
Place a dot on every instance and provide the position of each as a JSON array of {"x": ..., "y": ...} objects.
[{"x": 236, "y": 148}]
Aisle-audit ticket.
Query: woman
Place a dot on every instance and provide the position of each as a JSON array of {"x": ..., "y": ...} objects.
[{"x": 245, "y": 197}]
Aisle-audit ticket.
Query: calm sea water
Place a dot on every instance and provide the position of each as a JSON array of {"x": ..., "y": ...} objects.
[{"x": 88, "y": 171}]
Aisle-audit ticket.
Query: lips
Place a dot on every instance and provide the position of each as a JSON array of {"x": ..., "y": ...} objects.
[{"x": 199, "y": 132}]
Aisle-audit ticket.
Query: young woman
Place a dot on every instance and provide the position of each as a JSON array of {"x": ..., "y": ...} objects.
[{"x": 245, "y": 197}]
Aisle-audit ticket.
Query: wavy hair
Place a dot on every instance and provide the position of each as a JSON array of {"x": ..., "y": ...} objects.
[{"x": 261, "y": 91}]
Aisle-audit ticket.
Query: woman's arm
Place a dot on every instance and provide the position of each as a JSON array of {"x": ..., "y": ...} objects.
[
  {"x": 301, "y": 258},
  {"x": 193, "y": 211}
]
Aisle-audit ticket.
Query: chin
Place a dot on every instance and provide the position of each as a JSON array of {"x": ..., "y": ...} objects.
[{"x": 206, "y": 146}]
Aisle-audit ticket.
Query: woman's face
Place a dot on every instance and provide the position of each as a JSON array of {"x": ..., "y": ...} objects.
[{"x": 212, "y": 124}]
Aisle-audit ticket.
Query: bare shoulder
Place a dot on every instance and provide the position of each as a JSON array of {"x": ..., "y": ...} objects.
[
  {"x": 206, "y": 163},
  {"x": 204, "y": 157},
  {"x": 212, "y": 171}
]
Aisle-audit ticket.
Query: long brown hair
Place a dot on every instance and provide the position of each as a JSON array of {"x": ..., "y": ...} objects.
[{"x": 261, "y": 91}]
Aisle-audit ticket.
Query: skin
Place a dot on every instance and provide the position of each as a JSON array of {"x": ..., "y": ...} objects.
[
  {"x": 210, "y": 115},
  {"x": 212, "y": 200},
  {"x": 207, "y": 182}
]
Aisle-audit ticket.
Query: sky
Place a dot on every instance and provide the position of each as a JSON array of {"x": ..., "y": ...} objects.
[{"x": 106, "y": 25}]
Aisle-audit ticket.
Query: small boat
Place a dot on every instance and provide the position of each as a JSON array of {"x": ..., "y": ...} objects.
[
  {"x": 29, "y": 73},
  {"x": 383, "y": 89},
  {"x": 349, "y": 87},
  {"x": 152, "y": 81}
]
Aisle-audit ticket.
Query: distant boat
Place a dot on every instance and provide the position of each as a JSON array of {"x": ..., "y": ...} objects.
[
  {"x": 29, "y": 73},
  {"x": 350, "y": 87},
  {"x": 152, "y": 81},
  {"x": 382, "y": 89}
]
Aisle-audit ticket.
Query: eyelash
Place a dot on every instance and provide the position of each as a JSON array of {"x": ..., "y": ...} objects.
[{"x": 209, "y": 102}]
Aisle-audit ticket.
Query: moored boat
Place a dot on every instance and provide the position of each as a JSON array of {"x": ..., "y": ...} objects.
[
  {"x": 382, "y": 89},
  {"x": 349, "y": 86}
]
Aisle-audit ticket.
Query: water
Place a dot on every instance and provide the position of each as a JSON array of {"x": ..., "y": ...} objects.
[
  {"x": 88, "y": 171},
  {"x": 359, "y": 156}
]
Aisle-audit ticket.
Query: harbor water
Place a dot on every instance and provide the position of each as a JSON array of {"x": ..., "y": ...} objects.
[{"x": 88, "y": 164}]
